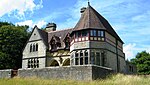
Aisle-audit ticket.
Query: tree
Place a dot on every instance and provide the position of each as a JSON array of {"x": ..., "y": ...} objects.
[
  {"x": 142, "y": 61},
  {"x": 12, "y": 41}
]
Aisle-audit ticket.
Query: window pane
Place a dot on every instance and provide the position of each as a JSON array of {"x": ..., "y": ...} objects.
[
  {"x": 79, "y": 34},
  {"x": 36, "y": 47},
  {"x": 72, "y": 63},
  {"x": 86, "y": 60},
  {"x": 99, "y": 33},
  {"x": 97, "y": 58},
  {"x": 91, "y": 32},
  {"x": 31, "y": 66},
  {"x": 72, "y": 56},
  {"x": 86, "y": 54},
  {"x": 81, "y": 54},
  {"x": 76, "y": 61},
  {"x": 37, "y": 65},
  {"x": 94, "y": 32},
  {"x": 76, "y": 54},
  {"x": 84, "y": 33},
  {"x": 103, "y": 59},
  {"x": 102, "y": 33},
  {"x": 76, "y": 35},
  {"x": 31, "y": 48},
  {"x": 81, "y": 61},
  {"x": 92, "y": 58}
]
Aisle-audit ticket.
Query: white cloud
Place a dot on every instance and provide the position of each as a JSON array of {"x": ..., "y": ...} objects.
[
  {"x": 31, "y": 24},
  {"x": 41, "y": 23},
  {"x": 129, "y": 50},
  {"x": 18, "y": 7},
  {"x": 27, "y": 22},
  {"x": 132, "y": 49},
  {"x": 142, "y": 17}
]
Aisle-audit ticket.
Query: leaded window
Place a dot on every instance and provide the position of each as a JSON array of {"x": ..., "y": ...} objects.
[
  {"x": 102, "y": 59},
  {"x": 92, "y": 58},
  {"x": 67, "y": 42},
  {"x": 102, "y": 33},
  {"x": 86, "y": 57},
  {"x": 53, "y": 45},
  {"x": 81, "y": 58},
  {"x": 76, "y": 58},
  {"x": 84, "y": 33},
  {"x": 33, "y": 63},
  {"x": 36, "y": 46},
  {"x": 97, "y": 58},
  {"x": 31, "y": 48}
]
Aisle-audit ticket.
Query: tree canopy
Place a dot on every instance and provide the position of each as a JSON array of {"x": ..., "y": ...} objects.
[
  {"x": 142, "y": 61},
  {"x": 12, "y": 41}
]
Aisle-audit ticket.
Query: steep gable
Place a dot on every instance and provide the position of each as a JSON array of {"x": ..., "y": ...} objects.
[
  {"x": 59, "y": 35},
  {"x": 38, "y": 34}
]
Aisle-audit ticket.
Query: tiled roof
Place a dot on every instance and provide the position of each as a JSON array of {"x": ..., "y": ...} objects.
[
  {"x": 61, "y": 34},
  {"x": 44, "y": 36},
  {"x": 91, "y": 19}
]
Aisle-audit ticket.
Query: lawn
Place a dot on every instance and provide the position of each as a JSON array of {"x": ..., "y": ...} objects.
[{"x": 118, "y": 79}]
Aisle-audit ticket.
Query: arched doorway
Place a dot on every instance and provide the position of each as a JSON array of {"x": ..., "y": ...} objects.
[
  {"x": 54, "y": 63},
  {"x": 66, "y": 62}
]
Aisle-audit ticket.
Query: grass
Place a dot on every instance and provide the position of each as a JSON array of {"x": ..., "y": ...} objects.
[{"x": 118, "y": 79}]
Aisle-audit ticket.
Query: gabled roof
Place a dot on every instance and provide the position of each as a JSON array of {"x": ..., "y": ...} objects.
[
  {"x": 61, "y": 34},
  {"x": 44, "y": 36},
  {"x": 91, "y": 19},
  {"x": 42, "y": 33}
]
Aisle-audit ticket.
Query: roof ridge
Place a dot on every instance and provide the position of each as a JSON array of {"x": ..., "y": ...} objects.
[{"x": 60, "y": 30}]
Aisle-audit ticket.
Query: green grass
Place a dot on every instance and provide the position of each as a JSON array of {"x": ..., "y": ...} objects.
[{"x": 118, "y": 79}]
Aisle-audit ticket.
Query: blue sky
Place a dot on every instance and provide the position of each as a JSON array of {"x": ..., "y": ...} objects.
[{"x": 129, "y": 18}]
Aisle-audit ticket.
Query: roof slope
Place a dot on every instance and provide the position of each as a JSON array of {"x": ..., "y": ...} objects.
[
  {"x": 92, "y": 19},
  {"x": 59, "y": 34},
  {"x": 44, "y": 36}
]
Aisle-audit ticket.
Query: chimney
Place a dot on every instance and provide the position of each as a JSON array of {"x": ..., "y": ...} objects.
[
  {"x": 51, "y": 27},
  {"x": 82, "y": 10}
]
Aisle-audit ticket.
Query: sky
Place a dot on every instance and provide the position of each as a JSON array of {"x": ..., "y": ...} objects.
[{"x": 129, "y": 18}]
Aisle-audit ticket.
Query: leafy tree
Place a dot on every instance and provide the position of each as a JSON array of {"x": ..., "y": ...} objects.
[
  {"x": 142, "y": 61},
  {"x": 12, "y": 41}
]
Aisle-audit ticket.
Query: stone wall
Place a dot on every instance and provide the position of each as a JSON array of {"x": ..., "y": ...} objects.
[
  {"x": 5, "y": 73},
  {"x": 100, "y": 72},
  {"x": 74, "y": 72}
]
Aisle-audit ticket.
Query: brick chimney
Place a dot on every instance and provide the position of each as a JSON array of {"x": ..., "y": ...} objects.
[{"x": 51, "y": 27}]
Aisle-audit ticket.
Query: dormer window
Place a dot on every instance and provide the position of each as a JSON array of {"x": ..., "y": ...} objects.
[
  {"x": 53, "y": 45},
  {"x": 67, "y": 43}
]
